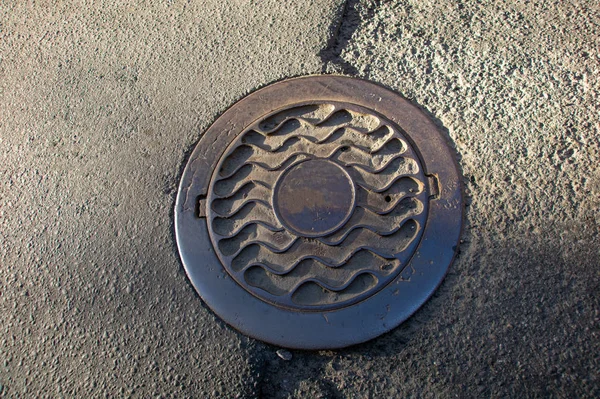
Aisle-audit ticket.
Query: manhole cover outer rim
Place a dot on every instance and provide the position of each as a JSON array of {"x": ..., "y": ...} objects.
[{"x": 338, "y": 328}]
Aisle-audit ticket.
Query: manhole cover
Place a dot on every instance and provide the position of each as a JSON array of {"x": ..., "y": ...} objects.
[{"x": 319, "y": 212}]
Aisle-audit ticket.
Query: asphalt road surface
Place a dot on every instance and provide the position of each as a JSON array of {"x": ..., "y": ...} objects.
[{"x": 101, "y": 104}]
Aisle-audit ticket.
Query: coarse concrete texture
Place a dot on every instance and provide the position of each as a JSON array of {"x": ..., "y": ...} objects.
[{"x": 100, "y": 103}]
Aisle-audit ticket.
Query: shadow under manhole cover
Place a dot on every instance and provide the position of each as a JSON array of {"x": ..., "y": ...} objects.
[{"x": 319, "y": 212}]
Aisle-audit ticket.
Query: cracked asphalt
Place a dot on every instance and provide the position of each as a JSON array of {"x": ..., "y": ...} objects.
[{"x": 101, "y": 104}]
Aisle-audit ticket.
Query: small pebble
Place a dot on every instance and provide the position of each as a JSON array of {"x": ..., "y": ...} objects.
[{"x": 285, "y": 355}]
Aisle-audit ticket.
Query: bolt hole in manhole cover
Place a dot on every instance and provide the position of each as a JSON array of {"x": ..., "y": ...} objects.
[{"x": 319, "y": 212}]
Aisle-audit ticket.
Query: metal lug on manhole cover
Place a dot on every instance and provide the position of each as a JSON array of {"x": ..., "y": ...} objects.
[{"x": 319, "y": 212}]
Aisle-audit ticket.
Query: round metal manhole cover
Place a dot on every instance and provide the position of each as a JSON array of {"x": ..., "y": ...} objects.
[{"x": 319, "y": 212}]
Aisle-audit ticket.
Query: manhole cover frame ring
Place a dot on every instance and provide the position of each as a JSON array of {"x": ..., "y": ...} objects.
[{"x": 346, "y": 326}]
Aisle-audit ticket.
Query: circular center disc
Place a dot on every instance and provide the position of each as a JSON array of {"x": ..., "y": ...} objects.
[{"x": 314, "y": 198}]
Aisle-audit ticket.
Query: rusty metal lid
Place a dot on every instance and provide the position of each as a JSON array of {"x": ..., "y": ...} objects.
[{"x": 319, "y": 212}]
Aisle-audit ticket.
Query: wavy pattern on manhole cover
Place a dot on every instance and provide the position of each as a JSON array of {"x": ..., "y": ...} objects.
[
  {"x": 319, "y": 212},
  {"x": 287, "y": 233}
]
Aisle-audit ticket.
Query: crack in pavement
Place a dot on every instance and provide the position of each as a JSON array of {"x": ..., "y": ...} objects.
[{"x": 349, "y": 17}]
